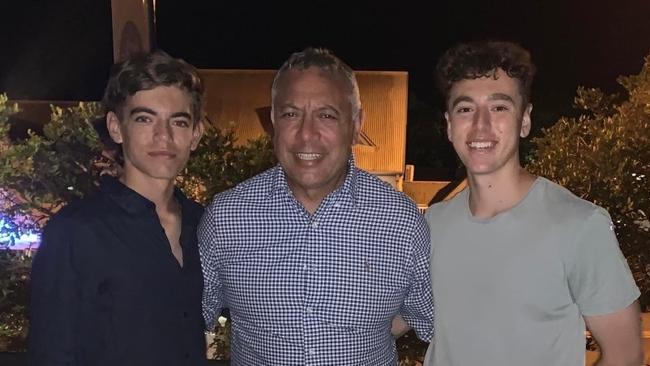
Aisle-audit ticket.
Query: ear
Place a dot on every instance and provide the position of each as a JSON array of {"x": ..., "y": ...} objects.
[
  {"x": 526, "y": 121},
  {"x": 114, "y": 127},
  {"x": 448, "y": 126},
  {"x": 357, "y": 124},
  {"x": 197, "y": 133}
]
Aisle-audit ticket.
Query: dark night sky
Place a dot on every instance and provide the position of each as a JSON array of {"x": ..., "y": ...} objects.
[{"x": 62, "y": 50}]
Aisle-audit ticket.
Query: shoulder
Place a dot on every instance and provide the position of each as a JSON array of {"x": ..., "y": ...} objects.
[
  {"x": 557, "y": 201},
  {"x": 254, "y": 189},
  {"x": 82, "y": 210},
  {"x": 372, "y": 191},
  {"x": 73, "y": 223},
  {"x": 448, "y": 208}
]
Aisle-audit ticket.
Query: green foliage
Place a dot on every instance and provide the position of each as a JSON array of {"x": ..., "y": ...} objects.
[
  {"x": 14, "y": 279},
  {"x": 410, "y": 349},
  {"x": 604, "y": 157},
  {"x": 219, "y": 164},
  {"x": 41, "y": 173}
]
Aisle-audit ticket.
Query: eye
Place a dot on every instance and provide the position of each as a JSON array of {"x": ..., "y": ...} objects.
[
  {"x": 325, "y": 115},
  {"x": 463, "y": 109},
  {"x": 142, "y": 118},
  {"x": 500, "y": 108},
  {"x": 181, "y": 123},
  {"x": 288, "y": 115}
]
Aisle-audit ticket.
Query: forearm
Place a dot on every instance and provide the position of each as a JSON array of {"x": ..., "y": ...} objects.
[
  {"x": 399, "y": 326},
  {"x": 619, "y": 336}
]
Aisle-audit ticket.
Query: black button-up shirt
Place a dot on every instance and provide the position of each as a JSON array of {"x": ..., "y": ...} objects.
[{"x": 107, "y": 290}]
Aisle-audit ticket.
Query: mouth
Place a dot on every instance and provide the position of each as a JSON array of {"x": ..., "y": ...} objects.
[
  {"x": 481, "y": 145},
  {"x": 308, "y": 156},
  {"x": 162, "y": 154}
]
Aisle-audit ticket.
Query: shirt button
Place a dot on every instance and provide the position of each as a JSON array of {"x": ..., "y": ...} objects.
[
  {"x": 312, "y": 351},
  {"x": 314, "y": 224},
  {"x": 310, "y": 310},
  {"x": 185, "y": 314}
]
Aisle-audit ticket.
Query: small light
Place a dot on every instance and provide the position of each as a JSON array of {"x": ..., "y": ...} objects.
[
  {"x": 70, "y": 188},
  {"x": 222, "y": 321}
]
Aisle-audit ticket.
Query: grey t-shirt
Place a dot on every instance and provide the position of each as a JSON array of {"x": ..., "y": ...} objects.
[{"x": 513, "y": 289}]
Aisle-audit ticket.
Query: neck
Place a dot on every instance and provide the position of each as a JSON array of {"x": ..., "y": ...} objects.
[
  {"x": 491, "y": 194},
  {"x": 158, "y": 191}
]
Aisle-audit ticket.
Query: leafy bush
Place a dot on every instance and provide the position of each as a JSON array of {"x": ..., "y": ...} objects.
[
  {"x": 14, "y": 279},
  {"x": 604, "y": 156}
]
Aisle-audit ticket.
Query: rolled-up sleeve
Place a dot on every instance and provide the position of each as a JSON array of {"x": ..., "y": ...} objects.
[
  {"x": 55, "y": 299},
  {"x": 417, "y": 309},
  {"x": 213, "y": 289}
]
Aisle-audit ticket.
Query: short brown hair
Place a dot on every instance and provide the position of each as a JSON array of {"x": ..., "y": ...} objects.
[
  {"x": 148, "y": 71},
  {"x": 481, "y": 59}
]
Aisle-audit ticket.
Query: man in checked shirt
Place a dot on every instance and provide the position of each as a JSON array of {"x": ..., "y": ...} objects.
[{"x": 315, "y": 257}]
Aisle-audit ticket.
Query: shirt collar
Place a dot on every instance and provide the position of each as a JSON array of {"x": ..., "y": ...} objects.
[
  {"x": 131, "y": 201},
  {"x": 347, "y": 190}
]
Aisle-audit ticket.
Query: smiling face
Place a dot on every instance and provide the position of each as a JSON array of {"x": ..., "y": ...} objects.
[
  {"x": 315, "y": 128},
  {"x": 485, "y": 119},
  {"x": 157, "y": 133}
]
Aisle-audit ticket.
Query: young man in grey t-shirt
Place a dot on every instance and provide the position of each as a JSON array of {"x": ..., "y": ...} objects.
[{"x": 519, "y": 264}]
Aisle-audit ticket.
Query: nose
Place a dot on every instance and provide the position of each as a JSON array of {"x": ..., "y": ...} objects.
[
  {"x": 482, "y": 118},
  {"x": 308, "y": 129},
  {"x": 162, "y": 131}
]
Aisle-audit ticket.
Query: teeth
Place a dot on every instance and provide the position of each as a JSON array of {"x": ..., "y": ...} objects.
[
  {"x": 481, "y": 144},
  {"x": 308, "y": 156}
]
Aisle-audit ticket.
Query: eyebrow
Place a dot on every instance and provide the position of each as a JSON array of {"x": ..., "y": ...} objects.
[
  {"x": 495, "y": 96},
  {"x": 154, "y": 113},
  {"x": 462, "y": 98},
  {"x": 501, "y": 96},
  {"x": 142, "y": 110},
  {"x": 326, "y": 106},
  {"x": 181, "y": 114}
]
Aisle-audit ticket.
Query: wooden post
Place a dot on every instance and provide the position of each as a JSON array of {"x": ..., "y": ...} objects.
[{"x": 134, "y": 27}]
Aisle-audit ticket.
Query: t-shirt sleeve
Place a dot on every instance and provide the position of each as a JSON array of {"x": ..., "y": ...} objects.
[{"x": 599, "y": 276}]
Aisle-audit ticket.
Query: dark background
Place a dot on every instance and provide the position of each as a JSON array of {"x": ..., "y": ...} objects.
[{"x": 62, "y": 50}]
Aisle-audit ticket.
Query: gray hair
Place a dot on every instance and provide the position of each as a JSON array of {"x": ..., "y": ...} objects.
[{"x": 323, "y": 59}]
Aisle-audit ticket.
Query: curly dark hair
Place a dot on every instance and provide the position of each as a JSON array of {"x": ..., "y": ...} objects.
[{"x": 482, "y": 59}]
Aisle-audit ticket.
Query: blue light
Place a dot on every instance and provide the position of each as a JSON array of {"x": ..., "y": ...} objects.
[{"x": 25, "y": 241}]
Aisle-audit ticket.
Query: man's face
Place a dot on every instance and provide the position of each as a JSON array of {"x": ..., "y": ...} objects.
[
  {"x": 314, "y": 129},
  {"x": 157, "y": 132},
  {"x": 485, "y": 118}
]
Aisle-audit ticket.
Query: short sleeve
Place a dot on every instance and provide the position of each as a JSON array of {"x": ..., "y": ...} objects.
[{"x": 599, "y": 276}]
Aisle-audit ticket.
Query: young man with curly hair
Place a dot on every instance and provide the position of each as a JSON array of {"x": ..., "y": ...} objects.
[{"x": 518, "y": 263}]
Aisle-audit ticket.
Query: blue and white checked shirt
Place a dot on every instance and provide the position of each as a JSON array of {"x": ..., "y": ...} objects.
[{"x": 317, "y": 289}]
